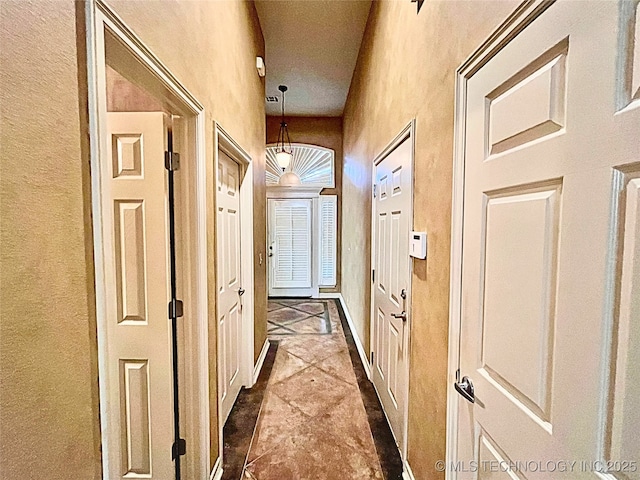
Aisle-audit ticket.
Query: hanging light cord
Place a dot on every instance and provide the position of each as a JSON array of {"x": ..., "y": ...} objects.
[{"x": 283, "y": 135}]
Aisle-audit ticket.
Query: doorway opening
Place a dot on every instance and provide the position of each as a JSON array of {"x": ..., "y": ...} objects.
[{"x": 149, "y": 212}]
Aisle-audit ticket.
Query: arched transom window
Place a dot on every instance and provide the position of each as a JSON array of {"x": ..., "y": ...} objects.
[{"x": 311, "y": 166}]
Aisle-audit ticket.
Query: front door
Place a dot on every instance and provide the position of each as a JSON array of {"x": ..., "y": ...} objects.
[
  {"x": 551, "y": 232},
  {"x": 391, "y": 283},
  {"x": 229, "y": 283},
  {"x": 138, "y": 336},
  {"x": 290, "y": 247}
]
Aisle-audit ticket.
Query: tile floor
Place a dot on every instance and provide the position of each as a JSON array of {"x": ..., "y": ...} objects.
[{"x": 318, "y": 410}]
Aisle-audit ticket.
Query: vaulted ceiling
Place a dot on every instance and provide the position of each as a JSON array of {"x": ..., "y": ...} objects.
[{"x": 312, "y": 47}]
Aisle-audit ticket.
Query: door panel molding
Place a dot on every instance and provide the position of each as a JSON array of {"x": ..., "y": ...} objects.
[
  {"x": 406, "y": 134},
  {"x": 523, "y": 15},
  {"x": 604, "y": 176},
  {"x": 228, "y": 145},
  {"x": 103, "y": 25}
]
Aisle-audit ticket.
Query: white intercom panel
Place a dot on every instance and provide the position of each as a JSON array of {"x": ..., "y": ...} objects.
[{"x": 418, "y": 245}]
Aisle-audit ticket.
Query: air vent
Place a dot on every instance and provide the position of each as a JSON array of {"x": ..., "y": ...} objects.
[{"x": 272, "y": 99}]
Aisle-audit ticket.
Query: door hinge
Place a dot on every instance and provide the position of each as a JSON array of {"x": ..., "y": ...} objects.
[
  {"x": 371, "y": 358},
  {"x": 374, "y": 190},
  {"x": 178, "y": 448},
  {"x": 373, "y": 276},
  {"x": 172, "y": 161},
  {"x": 175, "y": 308}
]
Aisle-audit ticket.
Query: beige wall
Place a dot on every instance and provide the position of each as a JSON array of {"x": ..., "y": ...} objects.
[
  {"x": 324, "y": 132},
  {"x": 405, "y": 70},
  {"x": 48, "y": 377}
]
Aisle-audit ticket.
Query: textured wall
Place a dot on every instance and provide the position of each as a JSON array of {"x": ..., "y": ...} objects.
[
  {"x": 48, "y": 392},
  {"x": 49, "y": 397},
  {"x": 405, "y": 70},
  {"x": 212, "y": 51},
  {"x": 324, "y": 132}
]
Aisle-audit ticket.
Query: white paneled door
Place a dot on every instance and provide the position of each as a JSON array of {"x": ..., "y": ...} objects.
[
  {"x": 391, "y": 283},
  {"x": 139, "y": 383},
  {"x": 290, "y": 247},
  {"x": 550, "y": 300},
  {"x": 229, "y": 283}
]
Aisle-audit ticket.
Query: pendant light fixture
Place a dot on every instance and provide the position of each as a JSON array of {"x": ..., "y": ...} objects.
[{"x": 283, "y": 146}]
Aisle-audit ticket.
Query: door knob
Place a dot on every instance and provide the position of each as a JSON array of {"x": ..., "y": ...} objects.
[
  {"x": 402, "y": 315},
  {"x": 241, "y": 291},
  {"x": 465, "y": 388}
]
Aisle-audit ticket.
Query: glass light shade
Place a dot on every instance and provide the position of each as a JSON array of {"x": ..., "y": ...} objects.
[
  {"x": 284, "y": 159},
  {"x": 289, "y": 179}
]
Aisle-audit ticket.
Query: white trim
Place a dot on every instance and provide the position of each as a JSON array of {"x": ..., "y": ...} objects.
[
  {"x": 407, "y": 133},
  {"x": 523, "y": 15},
  {"x": 258, "y": 367},
  {"x": 356, "y": 337},
  {"x": 216, "y": 471},
  {"x": 407, "y": 473},
  {"x": 99, "y": 16},
  {"x": 329, "y": 295},
  {"x": 293, "y": 192}
]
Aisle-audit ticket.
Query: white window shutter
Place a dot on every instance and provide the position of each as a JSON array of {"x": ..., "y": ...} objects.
[
  {"x": 328, "y": 240},
  {"x": 293, "y": 244}
]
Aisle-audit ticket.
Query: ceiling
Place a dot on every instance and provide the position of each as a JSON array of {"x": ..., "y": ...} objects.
[{"x": 312, "y": 47}]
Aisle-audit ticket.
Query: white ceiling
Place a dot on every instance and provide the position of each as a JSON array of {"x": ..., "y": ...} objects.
[{"x": 312, "y": 47}]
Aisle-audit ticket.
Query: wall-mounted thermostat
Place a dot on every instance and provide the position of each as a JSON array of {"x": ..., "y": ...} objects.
[{"x": 418, "y": 245}]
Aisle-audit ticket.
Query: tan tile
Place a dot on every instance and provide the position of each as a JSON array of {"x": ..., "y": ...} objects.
[
  {"x": 312, "y": 390},
  {"x": 313, "y": 349},
  {"x": 348, "y": 421},
  {"x": 246, "y": 475},
  {"x": 285, "y": 315},
  {"x": 273, "y": 306},
  {"x": 339, "y": 365},
  {"x": 286, "y": 365},
  {"x": 278, "y": 421},
  {"x": 315, "y": 308},
  {"x": 313, "y": 325},
  {"x": 314, "y": 454}
]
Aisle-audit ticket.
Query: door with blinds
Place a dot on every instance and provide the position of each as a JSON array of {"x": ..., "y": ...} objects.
[{"x": 290, "y": 247}]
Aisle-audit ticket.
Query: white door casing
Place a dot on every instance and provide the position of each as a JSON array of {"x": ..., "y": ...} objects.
[
  {"x": 547, "y": 170},
  {"x": 290, "y": 247},
  {"x": 230, "y": 323},
  {"x": 105, "y": 27},
  {"x": 392, "y": 223},
  {"x": 137, "y": 286}
]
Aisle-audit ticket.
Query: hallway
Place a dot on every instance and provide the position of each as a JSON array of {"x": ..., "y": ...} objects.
[
  {"x": 319, "y": 417},
  {"x": 319, "y": 239}
]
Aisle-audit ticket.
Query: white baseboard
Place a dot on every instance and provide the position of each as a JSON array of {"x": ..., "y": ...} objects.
[
  {"x": 407, "y": 474},
  {"x": 356, "y": 338},
  {"x": 325, "y": 295},
  {"x": 216, "y": 473},
  {"x": 260, "y": 362}
]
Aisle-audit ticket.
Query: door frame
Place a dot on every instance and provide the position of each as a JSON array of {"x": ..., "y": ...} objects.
[
  {"x": 298, "y": 193},
  {"x": 98, "y": 18},
  {"x": 408, "y": 133},
  {"x": 223, "y": 141},
  {"x": 518, "y": 20}
]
